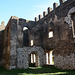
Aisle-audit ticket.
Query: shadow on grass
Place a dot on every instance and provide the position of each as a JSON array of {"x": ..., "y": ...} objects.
[{"x": 45, "y": 70}]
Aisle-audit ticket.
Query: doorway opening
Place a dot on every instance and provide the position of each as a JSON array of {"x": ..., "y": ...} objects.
[
  {"x": 33, "y": 59},
  {"x": 50, "y": 57}
]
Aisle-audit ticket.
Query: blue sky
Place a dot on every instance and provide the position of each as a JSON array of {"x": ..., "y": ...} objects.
[{"x": 27, "y": 9}]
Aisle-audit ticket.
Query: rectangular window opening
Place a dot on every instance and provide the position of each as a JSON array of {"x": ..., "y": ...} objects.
[
  {"x": 31, "y": 42},
  {"x": 50, "y": 34}
]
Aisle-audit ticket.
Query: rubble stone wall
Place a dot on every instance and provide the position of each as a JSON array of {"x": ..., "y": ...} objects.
[
  {"x": 64, "y": 55},
  {"x": 67, "y": 62},
  {"x": 23, "y": 56},
  {"x": 13, "y": 43}
]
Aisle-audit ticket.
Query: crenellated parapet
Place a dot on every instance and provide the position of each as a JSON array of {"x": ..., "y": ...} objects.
[
  {"x": 36, "y": 19},
  {"x": 55, "y": 5},
  {"x": 49, "y": 9},
  {"x": 61, "y": 1},
  {"x": 44, "y": 13},
  {"x": 40, "y": 16}
]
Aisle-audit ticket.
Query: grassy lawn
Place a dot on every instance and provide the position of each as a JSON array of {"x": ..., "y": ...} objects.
[{"x": 46, "y": 70}]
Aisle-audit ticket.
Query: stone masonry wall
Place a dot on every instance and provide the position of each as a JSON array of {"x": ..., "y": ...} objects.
[
  {"x": 21, "y": 24},
  {"x": 64, "y": 55},
  {"x": 13, "y": 42},
  {"x": 23, "y": 56},
  {"x": 67, "y": 62},
  {"x": 1, "y": 46},
  {"x": 62, "y": 42},
  {"x": 6, "y": 46},
  {"x": 57, "y": 21}
]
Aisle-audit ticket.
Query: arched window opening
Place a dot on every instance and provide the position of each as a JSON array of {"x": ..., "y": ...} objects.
[
  {"x": 73, "y": 24},
  {"x": 26, "y": 38},
  {"x": 25, "y": 28},
  {"x": 50, "y": 34}
]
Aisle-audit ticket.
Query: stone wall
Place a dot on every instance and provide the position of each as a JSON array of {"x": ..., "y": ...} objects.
[
  {"x": 58, "y": 20},
  {"x": 6, "y": 46},
  {"x": 64, "y": 55},
  {"x": 21, "y": 24},
  {"x": 1, "y": 46},
  {"x": 2, "y": 27},
  {"x": 23, "y": 56},
  {"x": 67, "y": 62},
  {"x": 13, "y": 42}
]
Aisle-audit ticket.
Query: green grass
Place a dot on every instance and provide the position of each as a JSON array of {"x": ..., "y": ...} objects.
[{"x": 45, "y": 70}]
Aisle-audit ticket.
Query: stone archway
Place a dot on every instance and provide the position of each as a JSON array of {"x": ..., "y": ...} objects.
[
  {"x": 72, "y": 10},
  {"x": 70, "y": 20},
  {"x": 23, "y": 56}
]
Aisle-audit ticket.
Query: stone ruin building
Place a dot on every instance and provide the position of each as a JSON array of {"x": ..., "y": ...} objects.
[{"x": 47, "y": 39}]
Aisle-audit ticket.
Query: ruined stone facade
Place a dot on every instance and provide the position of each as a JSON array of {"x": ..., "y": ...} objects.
[{"x": 54, "y": 31}]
